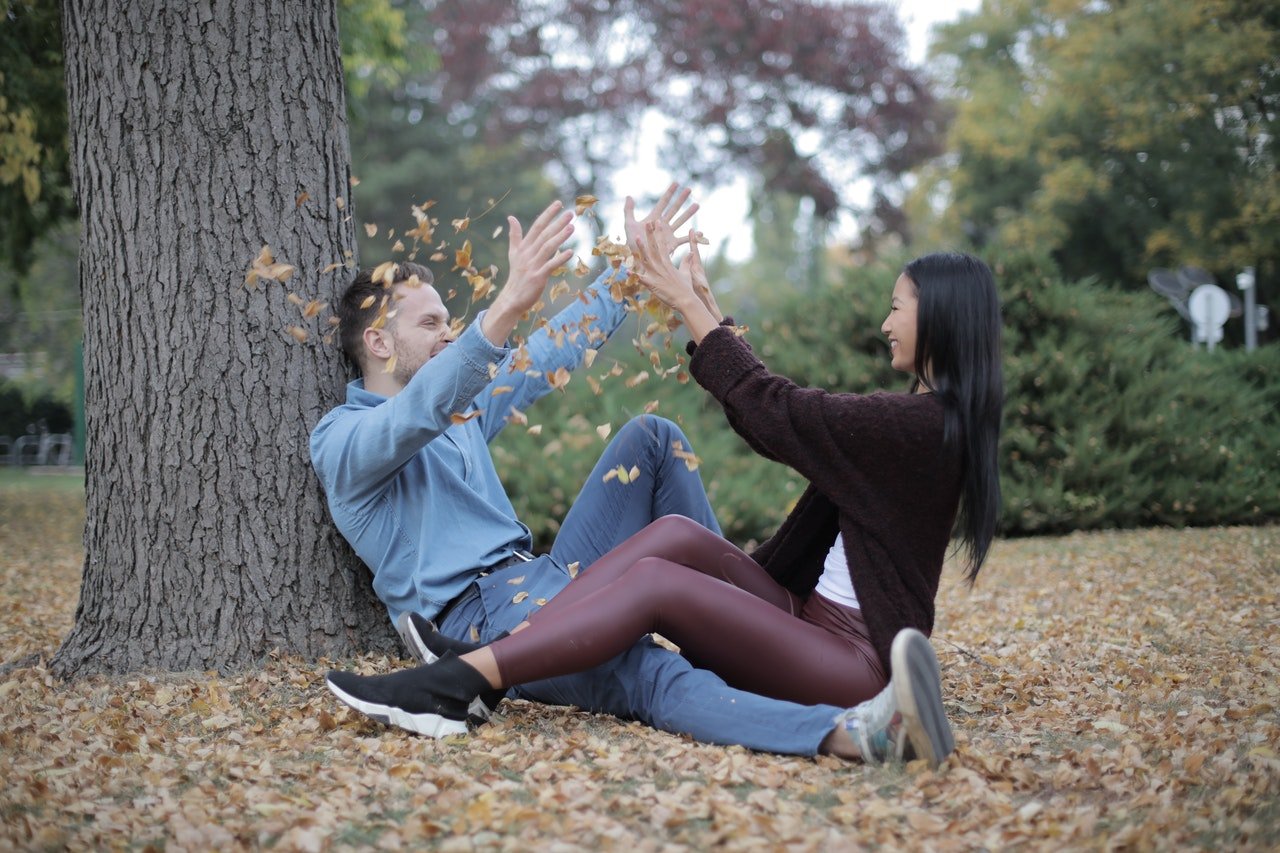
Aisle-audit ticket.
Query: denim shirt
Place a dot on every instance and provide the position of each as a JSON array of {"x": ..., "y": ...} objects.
[{"x": 417, "y": 495}]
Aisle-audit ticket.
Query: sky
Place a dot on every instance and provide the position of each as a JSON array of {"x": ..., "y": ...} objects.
[{"x": 722, "y": 209}]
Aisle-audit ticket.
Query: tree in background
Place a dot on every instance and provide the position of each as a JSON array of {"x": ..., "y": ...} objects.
[
  {"x": 1118, "y": 136},
  {"x": 807, "y": 96},
  {"x": 35, "y": 186},
  {"x": 199, "y": 133}
]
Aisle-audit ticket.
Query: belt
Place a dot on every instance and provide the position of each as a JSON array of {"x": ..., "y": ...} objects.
[{"x": 473, "y": 588}]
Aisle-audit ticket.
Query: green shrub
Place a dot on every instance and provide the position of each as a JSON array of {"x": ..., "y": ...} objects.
[
  {"x": 1111, "y": 418},
  {"x": 21, "y": 412}
]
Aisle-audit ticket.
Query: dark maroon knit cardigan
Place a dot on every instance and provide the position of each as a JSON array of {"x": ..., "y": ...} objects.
[{"x": 878, "y": 473}]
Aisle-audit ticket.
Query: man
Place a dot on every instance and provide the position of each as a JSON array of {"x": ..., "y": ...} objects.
[{"x": 411, "y": 485}]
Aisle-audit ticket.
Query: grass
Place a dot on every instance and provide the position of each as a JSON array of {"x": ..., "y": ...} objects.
[
  {"x": 1109, "y": 690},
  {"x": 39, "y": 482}
]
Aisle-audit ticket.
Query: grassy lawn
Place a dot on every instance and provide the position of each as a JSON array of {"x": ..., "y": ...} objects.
[
  {"x": 41, "y": 481},
  {"x": 1108, "y": 691}
]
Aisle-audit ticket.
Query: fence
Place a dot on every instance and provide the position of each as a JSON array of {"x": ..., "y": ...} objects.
[{"x": 51, "y": 448}]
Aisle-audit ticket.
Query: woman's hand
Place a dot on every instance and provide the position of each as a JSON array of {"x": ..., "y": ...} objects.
[
  {"x": 698, "y": 276},
  {"x": 683, "y": 288}
]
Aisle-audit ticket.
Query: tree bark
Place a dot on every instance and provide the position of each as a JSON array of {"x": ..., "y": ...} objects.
[{"x": 196, "y": 131}]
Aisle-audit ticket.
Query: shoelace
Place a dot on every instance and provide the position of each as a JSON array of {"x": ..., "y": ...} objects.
[{"x": 876, "y": 726}]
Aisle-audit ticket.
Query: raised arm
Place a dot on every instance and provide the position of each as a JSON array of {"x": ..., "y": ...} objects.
[{"x": 532, "y": 257}]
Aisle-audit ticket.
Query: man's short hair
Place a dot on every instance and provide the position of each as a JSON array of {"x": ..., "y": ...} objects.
[{"x": 357, "y": 311}]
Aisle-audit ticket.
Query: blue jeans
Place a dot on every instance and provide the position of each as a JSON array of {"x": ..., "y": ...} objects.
[{"x": 647, "y": 682}]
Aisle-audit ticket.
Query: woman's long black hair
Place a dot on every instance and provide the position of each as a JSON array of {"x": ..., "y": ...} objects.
[{"x": 958, "y": 359}]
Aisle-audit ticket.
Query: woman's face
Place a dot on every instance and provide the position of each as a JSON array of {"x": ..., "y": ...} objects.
[{"x": 900, "y": 326}]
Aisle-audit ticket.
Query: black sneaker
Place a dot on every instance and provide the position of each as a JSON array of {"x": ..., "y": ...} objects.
[
  {"x": 427, "y": 645},
  {"x": 430, "y": 700},
  {"x": 425, "y": 642}
]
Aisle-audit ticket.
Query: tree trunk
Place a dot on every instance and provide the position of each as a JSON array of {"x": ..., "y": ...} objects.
[{"x": 200, "y": 132}]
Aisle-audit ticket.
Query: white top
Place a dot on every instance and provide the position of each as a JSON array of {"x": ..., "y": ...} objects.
[{"x": 836, "y": 584}]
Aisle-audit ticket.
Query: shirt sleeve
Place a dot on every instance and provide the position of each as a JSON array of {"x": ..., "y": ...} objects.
[
  {"x": 521, "y": 378},
  {"x": 356, "y": 452},
  {"x": 835, "y": 441}
]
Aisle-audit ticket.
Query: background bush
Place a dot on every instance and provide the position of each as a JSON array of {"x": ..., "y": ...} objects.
[
  {"x": 1111, "y": 418},
  {"x": 22, "y": 412}
]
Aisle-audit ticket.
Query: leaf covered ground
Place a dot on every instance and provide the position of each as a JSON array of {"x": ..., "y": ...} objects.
[{"x": 1114, "y": 690}]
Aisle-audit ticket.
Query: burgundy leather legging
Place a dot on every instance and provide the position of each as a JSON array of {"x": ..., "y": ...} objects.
[{"x": 680, "y": 580}]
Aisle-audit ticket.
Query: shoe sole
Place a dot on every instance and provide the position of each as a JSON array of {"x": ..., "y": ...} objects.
[
  {"x": 918, "y": 690},
  {"x": 478, "y": 710},
  {"x": 431, "y": 725}
]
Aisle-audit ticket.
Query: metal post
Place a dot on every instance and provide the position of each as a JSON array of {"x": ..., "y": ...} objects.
[
  {"x": 1246, "y": 281},
  {"x": 78, "y": 451}
]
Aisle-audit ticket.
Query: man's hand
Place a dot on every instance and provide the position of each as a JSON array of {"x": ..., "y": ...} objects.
[
  {"x": 659, "y": 227},
  {"x": 532, "y": 257}
]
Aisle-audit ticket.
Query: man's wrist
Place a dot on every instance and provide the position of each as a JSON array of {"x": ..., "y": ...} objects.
[{"x": 499, "y": 321}]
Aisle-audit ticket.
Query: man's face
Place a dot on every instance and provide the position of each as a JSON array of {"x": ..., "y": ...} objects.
[{"x": 419, "y": 331}]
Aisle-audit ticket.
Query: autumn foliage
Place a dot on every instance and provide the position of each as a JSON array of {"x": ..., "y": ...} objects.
[
  {"x": 1108, "y": 691},
  {"x": 805, "y": 95}
]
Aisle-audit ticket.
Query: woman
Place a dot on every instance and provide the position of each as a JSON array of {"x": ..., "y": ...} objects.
[{"x": 837, "y": 599}]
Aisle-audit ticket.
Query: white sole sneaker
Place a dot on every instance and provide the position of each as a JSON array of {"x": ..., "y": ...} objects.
[
  {"x": 431, "y": 725},
  {"x": 918, "y": 691}
]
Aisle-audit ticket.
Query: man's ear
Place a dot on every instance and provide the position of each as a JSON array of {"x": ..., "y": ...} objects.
[{"x": 377, "y": 343}]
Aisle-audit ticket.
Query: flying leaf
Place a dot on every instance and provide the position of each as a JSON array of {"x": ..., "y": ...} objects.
[
  {"x": 651, "y": 407},
  {"x": 371, "y": 229},
  {"x": 302, "y": 199},
  {"x": 637, "y": 379},
  {"x": 462, "y": 257},
  {"x": 580, "y": 269},
  {"x": 560, "y": 288},
  {"x": 459, "y": 418},
  {"x": 573, "y": 568},
  {"x": 603, "y": 430},
  {"x": 558, "y": 379},
  {"x": 425, "y": 229},
  {"x": 460, "y": 225},
  {"x": 519, "y": 596},
  {"x": 314, "y": 307},
  {"x": 385, "y": 272},
  {"x": 481, "y": 286},
  {"x": 517, "y": 417},
  {"x": 516, "y": 581},
  {"x": 691, "y": 461},
  {"x": 589, "y": 357},
  {"x": 368, "y": 300},
  {"x": 536, "y": 429},
  {"x": 299, "y": 334},
  {"x": 391, "y": 365},
  {"x": 501, "y": 389},
  {"x": 583, "y": 203}
]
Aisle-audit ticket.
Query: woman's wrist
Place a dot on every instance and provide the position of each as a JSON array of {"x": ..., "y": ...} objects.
[{"x": 698, "y": 319}]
